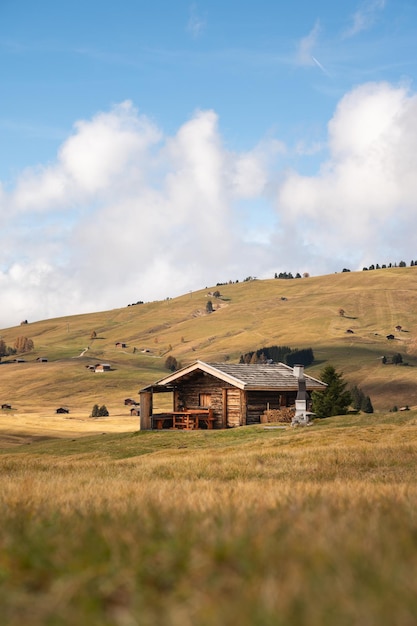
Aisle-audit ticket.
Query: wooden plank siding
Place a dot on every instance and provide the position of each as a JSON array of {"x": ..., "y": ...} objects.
[
  {"x": 233, "y": 407},
  {"x": 260, "y": 401},
  {"x": 188, "y": 392},
  {"x": 237, "y": 394}
]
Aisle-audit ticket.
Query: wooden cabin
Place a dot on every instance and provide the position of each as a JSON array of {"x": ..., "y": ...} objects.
[
  {"x": 102, "y": 367},
  {"x": 232, "y": 394}
]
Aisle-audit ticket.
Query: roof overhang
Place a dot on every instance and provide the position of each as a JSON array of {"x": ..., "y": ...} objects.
[
  {"x": 203, "y": 367},
  {"x": 168, "y": 383}
]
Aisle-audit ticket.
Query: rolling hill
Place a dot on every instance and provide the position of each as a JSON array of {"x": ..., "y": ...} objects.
[{"x": 249, "y": 315}]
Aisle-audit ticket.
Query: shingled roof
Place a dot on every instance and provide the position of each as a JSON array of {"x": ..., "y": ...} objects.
[{"x": 269, "y": 376}]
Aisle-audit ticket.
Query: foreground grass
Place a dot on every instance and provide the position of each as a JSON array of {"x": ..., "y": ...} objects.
[{"x": 250, "y": 526}]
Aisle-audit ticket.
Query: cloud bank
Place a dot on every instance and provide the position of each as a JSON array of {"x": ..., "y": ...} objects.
[{"x": 127, "y": 213}]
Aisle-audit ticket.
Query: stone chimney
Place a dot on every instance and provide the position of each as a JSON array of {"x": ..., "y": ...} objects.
[
  {"x": 298, "y": 371},
  {"x": 301, "y": 400}
]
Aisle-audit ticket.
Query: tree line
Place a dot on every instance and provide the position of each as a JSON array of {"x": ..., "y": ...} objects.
[
  {"x": 279, "y": 354},
  {"x": 22, "y": 344}
]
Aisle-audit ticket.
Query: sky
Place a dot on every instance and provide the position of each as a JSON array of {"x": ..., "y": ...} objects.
[{"x": 151, "y": 149}]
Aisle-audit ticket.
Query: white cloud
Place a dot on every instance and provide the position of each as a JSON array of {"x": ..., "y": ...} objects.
[
  {"x": 126, "y": 213},
  {"x": 364, "y": 17},
  {"x": 365, "y": 195},
  {"x": 307, "y": 45},
  {"x": 196, "y": 24}
]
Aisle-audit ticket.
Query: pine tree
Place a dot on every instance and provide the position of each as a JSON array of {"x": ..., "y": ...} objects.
[
  {"x": 367, "y": 405},
  {"x": 358, "y": 398},
  {"x": 336, "y": 399},
  {"x": 95, "y": 411},
  {"x": 397, "y": 358}
]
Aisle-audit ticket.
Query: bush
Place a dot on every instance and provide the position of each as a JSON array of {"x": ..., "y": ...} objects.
[
  {"x": 171, "y": 363},
  {"x": 99, "y": 411}
]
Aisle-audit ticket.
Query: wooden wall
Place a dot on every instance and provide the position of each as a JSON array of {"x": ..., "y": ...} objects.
[
  {"x": 260, "y": 401},
  {"x": 231, "y": 406},
  {"x": 188, "y": 391}
]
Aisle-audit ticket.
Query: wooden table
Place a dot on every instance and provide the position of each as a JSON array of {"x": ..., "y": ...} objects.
[
  {"x": 161, "y": 420},
  {"x": 190, "y": 419}
]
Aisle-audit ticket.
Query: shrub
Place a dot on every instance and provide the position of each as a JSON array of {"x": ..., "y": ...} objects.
[
  {"x": 171, "y": 363},
  {"x": 23, "y": 344}
]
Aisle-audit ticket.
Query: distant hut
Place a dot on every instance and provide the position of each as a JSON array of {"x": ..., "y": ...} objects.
[
  {"x": 102, "y": 367},
  {"x": 130, "y": 402}
]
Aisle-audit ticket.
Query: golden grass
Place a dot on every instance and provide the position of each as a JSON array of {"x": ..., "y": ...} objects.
[
  {"x": 300, "y": 526},
  {"x": 250, "y": 315}
]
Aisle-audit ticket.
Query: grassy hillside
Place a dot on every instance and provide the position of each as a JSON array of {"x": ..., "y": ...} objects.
[
  {"x": 305, "y": 526},
  {"x": 299, "y": 313}
]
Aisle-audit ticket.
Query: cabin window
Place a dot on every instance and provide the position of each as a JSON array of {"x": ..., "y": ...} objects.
[{"x": 204, "y": 399}]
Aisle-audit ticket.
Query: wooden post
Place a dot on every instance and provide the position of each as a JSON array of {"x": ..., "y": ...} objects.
[
  {"x": 224, "y": 408},
  {"x": 243, "y": 407},
  {"x": 145, "y": 422}
]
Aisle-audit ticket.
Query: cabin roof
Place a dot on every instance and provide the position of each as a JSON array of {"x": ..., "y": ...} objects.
[{"x": 269, "y": 376}]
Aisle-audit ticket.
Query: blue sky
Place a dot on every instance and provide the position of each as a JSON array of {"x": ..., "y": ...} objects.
[{"x": 149, "y": 149}]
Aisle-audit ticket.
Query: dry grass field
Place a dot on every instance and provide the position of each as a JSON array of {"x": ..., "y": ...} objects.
[
  {"x": 249, "y": 315},
  {"x": 102, "y": 524},
  {"x": 312, "y": 526}
]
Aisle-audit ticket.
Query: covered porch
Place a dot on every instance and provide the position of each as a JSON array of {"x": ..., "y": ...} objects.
[{"x": 179, "y": 417}]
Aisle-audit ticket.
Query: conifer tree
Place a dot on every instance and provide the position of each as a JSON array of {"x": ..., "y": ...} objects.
[
  {"x": 367, "y": 405},
  {"x": 336, "y": 399}
]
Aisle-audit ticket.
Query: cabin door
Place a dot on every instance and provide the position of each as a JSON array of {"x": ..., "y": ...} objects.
[{"x": 233, "y": 410}]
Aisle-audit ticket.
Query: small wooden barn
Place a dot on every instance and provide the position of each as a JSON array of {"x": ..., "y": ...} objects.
[
  {"x": 102, "y": 367},
  {"x": 234, "y": 394}
]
